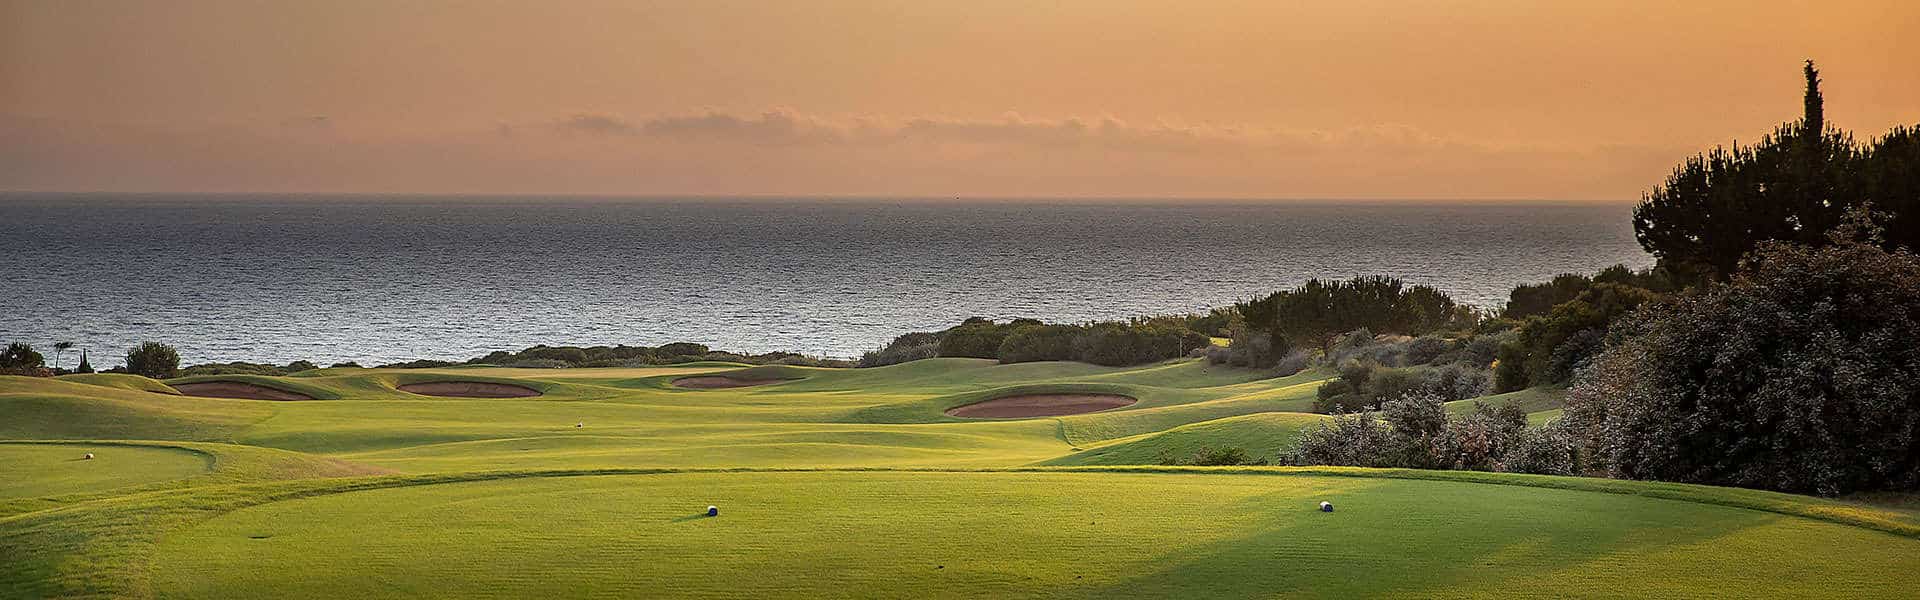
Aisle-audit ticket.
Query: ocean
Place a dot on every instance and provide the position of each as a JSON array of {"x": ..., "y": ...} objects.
[{"x": 386, "y": 278}]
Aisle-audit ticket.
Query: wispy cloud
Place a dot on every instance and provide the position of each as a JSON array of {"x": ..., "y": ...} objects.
[{"x": 784, "y": 151}]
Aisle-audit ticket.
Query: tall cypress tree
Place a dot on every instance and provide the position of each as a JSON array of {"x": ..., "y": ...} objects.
[
  {"x": 1794, "y": 185},
  {"x": 1815, "y": 117}
]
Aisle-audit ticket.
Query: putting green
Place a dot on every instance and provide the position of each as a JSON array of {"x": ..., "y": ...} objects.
[
  {"x": 956, "y": 534},
  {"x": 32, "y": 470}
]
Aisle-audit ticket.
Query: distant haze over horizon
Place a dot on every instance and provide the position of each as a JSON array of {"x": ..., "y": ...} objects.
[{"x": 1113, "y": 100}]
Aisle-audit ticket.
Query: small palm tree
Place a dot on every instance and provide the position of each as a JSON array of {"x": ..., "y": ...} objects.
[{"x": 58, "y": 349}]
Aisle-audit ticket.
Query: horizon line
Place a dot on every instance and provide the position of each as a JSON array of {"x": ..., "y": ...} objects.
[{"x": 836, "y": 197}]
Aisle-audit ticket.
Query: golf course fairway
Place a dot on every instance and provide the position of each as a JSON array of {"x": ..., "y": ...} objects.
[
  {"x": 835, "y": 483},
  {"x": 1081, "y": 535}
]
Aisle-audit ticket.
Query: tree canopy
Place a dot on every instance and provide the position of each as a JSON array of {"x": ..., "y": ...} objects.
[{"x": 1794, "y": 185}]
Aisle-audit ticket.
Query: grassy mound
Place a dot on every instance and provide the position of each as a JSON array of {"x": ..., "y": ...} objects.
[
  {"x": 1262, "y": 435},
  {"x": 120, "y": 381}
]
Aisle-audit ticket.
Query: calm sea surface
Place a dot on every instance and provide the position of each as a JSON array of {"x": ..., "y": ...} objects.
[{"x": 373, "y": 279}]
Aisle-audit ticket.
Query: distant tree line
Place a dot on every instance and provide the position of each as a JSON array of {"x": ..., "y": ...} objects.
[
  {"x": 1311, "y": 316},
  {"x": 1117, "y": 343},
  {"x": 149, "y": 358},
  {"x": 161, "y": 361}
]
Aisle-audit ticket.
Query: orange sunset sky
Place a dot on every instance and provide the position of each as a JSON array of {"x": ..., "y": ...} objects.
[{"x": 1116, "y": 98}]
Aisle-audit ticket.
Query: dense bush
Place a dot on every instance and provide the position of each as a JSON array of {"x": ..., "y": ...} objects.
[
  {"x": 975, "y": 338},
  {"x": 1122, "y": 344},
  {"x": 1365, "y": 385},
  {"x": 1249, "y": 348},
  {"x": 1294, "y": 362},
  {"x": 21, "y": 355},
  {"x": 1207, "y": 456},
  {"x": 154, "y": 360},
  {"x": 1530, "y": 359},
  {"x": 544, "y": 356},
  {"x": 1424, "y": 349},
  {"x": 19, "y": 358},
  {"x": 1032, "y": 343},
  {"x": 1455, "y": 381},
  {"x": 1116, "y": 343},
  {"x": 1376, "y": 369},
  {"x": 1312, "y": 314},
  {"x": 417, "y": 364},
  {"x": 1416, "y": 431},
  {"x": 246, "y": 368},
  {"x": 905, "y": 348},
  {"x": 1793, "y": 186},
  {"x": 1802, "y": 375}
]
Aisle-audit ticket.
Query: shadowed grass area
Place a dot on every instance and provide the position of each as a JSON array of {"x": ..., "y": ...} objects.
[{"x": 1000, "y": 534}]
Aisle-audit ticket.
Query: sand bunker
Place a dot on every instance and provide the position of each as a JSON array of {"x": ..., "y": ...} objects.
[
  {"x": 235, "y": 389},
  {"x": 1040, "y": 405},
  {"x": 469, "y": 389},
  {"x": 714, "y": 382}
]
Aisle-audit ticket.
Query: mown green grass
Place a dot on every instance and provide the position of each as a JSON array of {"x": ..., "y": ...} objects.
[
  {"x": 1013, "y": 534},
  {"x": 32, "y": 470},
  {"x": 587, "y": 490},
  {"x": 1263, "y": 435},
  {"x": 120, "y": 380}
]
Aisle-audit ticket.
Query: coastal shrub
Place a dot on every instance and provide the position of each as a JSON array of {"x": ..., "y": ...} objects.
[
  {"x": 20, "y": 358},
  {"x": 1800, "y": 375},
  {"x": 1528, "y": 360},
  {"x": 1123, "y": 344},
  {"x": 346, "y": 365},
  {"x": 1040, "y": 342},
  {"x": 1455, "y": 381},
  {"x": 21, "y": 355},
  {"x": 1425, "y": 349},
  {"x": 1416, "y": 431},
  {"x": 1249, "y": 348},
  {"x": 536, "y": 363},
  {"x": 1527, "y": 300},
  {"x": 153, "y": 360},
  {"x": 1312, "y": 314},
  {"x": 682, "y": 349},
  {"x": 1572, "y": 354},
  {"x": 905, "y": 348},
  {"x": 562, "y": 354},
  {"x": 232, "y": 368},
  {"x": 417, "y": 364},
  {"x": 1482, "y": 349},
  {"x": 1294, "y": 362},
  {"x": 1207, "y": 456},
  {"x": 1351, "y": 440},
  {"x": 974, "y": 338}
]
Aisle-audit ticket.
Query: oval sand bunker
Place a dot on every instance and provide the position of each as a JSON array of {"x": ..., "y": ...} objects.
[
  {"x": 235, "y": 389},
  {"x": 469, "y": 389},
  {"x": 1040, "y": 405},
  {"x": 714, "y": 382}
]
